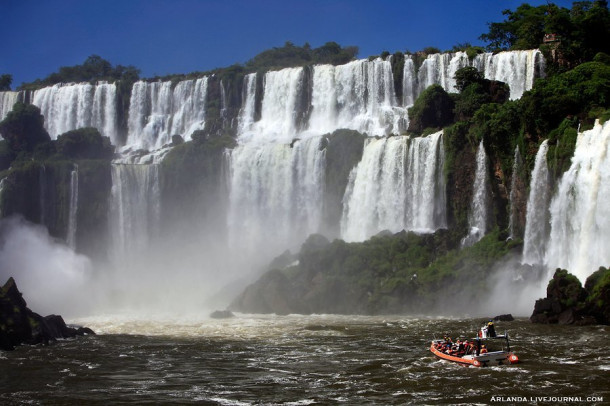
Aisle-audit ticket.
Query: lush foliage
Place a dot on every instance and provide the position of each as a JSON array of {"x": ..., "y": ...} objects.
[
  {"x": 5, "y": 82},
  {"x": 292, "y": 55},
  {"x": 433, "y": 108},
  {"x": 84, "y": 143},
  {"x": 93, "y": 69},
  {"x": 579, "y": 32},
  {"x": 23, "y": 128}
]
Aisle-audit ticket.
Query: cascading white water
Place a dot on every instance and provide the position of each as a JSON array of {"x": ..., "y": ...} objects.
[
  {"x": 517, "y": 164},
  {"x": 157, "y": 111},
  {"x": 409, "y": 82},
  {"x": 358, "y": 95},
  {"x": 478, "y": 215},
  {"x": 7, "y": 100},
  {"x": 537, "y": 214},
  {"x": 398, "y": 185},
  {"x": 580, "y": 213},
  {"x": 278, "y": 116},
  {"x": 248, "y": 104},
  {"x": 516, "y": 68},
  {"x": 275, "y": 194},
  {"x": 73, "y": 208},
  {"x": 440, "y": 69},
  {"x": 67, "y": 107},
  {"x": 135, "y": 209}
]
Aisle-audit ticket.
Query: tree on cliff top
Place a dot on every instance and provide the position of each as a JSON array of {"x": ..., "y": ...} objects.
[
  {"x": 95, "y": 68},
  {"x": 84, "y": 143},
  {"x": 432, "y": 109},
  {"x": 580, "y": 32},
  {"x": 5, "y": 82},
  {"x": 23, "y": 128}
]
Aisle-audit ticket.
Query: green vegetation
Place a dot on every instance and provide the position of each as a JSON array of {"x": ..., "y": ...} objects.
[
  {"x": 433, "y": 108},
  {"x": 23, "y": 128},
  {"x": 5, "y": 82},
  {"x": 94, "y": 69},
  {"x": 84, "y": 143},
  {"x": 291, "y": 55},
  {"x": 579, "y": 32}
]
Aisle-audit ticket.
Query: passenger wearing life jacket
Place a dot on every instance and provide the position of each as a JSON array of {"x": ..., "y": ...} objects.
[
  {"x": 483, "y": 349},
  {"x": 491, "y": 330}
]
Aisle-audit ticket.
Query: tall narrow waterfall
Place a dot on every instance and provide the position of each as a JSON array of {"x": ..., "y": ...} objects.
[
  {"x": 248, "y": 104},
  {"x": 159, "y": 110},
  {"x": 73, "y": 208},
  {"x": 72, "y": 106},
  {"x": 512, "y": 218},
  {"x": 478, "y": 215},
  {"x": 409, "y": 82},
  {"x": 537, "y": 217},
  {"x": 7, "y": 100},
  {"x": 276, "y": 194},
  {"x": 135, "y": 209},
  {"x": 398, "y": 185},
  {"x": 580, "y": 213}
]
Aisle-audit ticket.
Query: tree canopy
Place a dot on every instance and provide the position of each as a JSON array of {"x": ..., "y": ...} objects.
[
  {"x": 579, "y": 33},
  {"x": 293, "y": 55},
  {"x": 23, "y": 128},
  {"x": 95, "y": 68},
  {"x": 5, "y": 82}
]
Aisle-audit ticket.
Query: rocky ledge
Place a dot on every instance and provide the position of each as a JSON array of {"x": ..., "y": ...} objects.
[
  {"x": 567, "y": 302},
  {"x": 19, "y": 325}
]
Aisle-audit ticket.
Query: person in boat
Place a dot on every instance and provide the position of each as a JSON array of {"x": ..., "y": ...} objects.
[
  {"x": 491, "y": 330},
  {"x": 483, "y": 349}
]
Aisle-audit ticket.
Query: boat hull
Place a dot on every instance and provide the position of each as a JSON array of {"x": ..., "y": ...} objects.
[{"x": 487, "y": 359}]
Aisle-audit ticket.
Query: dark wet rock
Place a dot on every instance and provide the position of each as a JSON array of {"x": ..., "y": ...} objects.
[
  {"x": 222, "y": 314},
  {"x": 19, "y": 325},
  {"x": 504, "y": 317},
  {"x": 567, "y": 302}
]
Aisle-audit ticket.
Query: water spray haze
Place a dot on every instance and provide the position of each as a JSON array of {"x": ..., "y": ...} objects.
[{"x": 51, "y": 276}]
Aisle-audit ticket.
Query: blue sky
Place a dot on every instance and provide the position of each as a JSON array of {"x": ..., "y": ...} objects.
[{"x": 180, "y": 36}]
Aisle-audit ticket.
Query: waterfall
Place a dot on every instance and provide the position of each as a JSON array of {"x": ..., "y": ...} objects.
[
  {"x": 248, "y": 103},
  {"x": 580, "y": 213},
  {"x": 358, "y": 95},
  {"x": 537, "y": 215},
  {"x": 73, "y": 208},
  {"x": 134, "y": 209},
  {"x": 279, "y": 107},
  {"x": 7, "y": 100},
  {"x": 67, "y": 107},
  {"x": 477, "y": 217},
  {"x": 440, "y": 69},
  {"x": 275, "y": 194},
  {"x": 512, "y": 218},
  {"x": 516, "y": 68},
  {"x": 157, "y": 111},
  {"x": 409, "y": 82},
  {"x": 398, "y": 185}
]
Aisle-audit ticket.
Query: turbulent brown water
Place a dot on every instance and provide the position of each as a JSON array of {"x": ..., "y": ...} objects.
[{"x": 302, "y": 360}]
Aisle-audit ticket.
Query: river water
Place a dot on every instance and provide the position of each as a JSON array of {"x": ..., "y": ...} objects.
[{"x": 300, "y": 360}]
